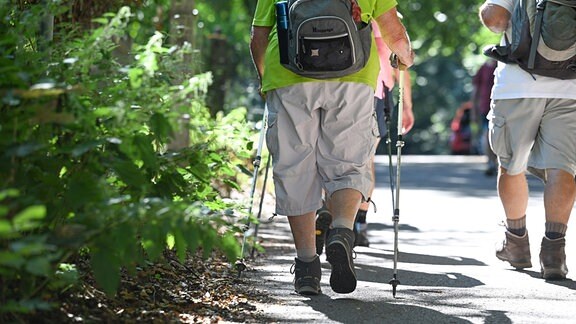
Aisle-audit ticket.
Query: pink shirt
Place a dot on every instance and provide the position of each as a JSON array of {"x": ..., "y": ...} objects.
[{"x": 386, "y": 71}]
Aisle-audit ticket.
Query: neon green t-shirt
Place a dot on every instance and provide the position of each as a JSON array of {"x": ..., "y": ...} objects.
[{"x": 276, "y": 76}]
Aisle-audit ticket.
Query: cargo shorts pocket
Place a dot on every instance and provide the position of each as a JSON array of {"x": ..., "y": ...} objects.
[
  {"x": 499, "y": 141},
  {"x": 272, "y": 134},
  {"x": 376, "y": 125}
]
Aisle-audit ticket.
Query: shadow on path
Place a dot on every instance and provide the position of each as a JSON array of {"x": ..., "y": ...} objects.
[
  {"x": 567, "y": 283},
  {"x": 405, "y": 257},
  {"x": 380, "y": 311}
]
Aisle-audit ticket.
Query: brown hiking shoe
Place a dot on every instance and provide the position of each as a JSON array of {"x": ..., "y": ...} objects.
[
  {"x": 515, "y": 250},
  {"x": 553, "y": 259}
]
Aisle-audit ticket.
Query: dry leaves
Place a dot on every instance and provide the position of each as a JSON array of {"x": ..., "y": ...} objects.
[{"x": 198, "y": 291}]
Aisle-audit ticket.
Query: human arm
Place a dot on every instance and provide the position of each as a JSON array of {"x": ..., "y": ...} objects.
[
  {"x": 258, "y": 46},
  {"x": 395, "y": 36},
  {"x": 494, "y": 17},
  {"x": 389, "y": 76}
]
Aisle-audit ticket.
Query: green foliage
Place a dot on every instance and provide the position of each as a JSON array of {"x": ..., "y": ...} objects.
[
  {"x": 233, "y": 18},
  {"x": 88, "y": 161},
  {"x": 441, "y": 28},
  {"x": 448, "y": 38}
]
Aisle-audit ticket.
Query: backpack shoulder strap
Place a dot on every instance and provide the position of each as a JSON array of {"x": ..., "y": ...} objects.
[{"x": 540, "y": 5}]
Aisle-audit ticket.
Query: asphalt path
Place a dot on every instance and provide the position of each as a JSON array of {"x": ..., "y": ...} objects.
[{"x": 450, "y": 223}]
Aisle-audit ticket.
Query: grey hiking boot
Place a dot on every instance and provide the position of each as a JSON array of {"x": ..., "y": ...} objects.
[
  {"x": 553, "y": 259},
  {"x": 339, "y": 254},
  {"x": 323, "y": 221},
  {"x": 307, "y": 276},
  {"x": 515, "y": 250}
]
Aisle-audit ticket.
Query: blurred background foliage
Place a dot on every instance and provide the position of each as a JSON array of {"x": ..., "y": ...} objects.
[{"x": 447, "y": 36}]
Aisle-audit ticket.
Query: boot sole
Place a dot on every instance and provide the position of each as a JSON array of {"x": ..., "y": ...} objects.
[
  {"x": 553, "y": 274},
  {"x": 343, "y": 279},
  {"x": 517, "y": 265},
  {"x": 309, "y": 291}
]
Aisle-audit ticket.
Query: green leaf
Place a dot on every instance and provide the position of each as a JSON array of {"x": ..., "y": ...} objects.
[
  {"x": 65, "y": 276},
  {"x": 192, "y": 234},
  {"x": 106, "y": 270},
  {"x": 39, "y": 266},
  {"x": 232, "y": 184},
  {"x": 135, "y": 75},
  {"x": 130, "y": 173},
  {"x": 227, "y": 170},
  {"x": 103, "y": 112},
  {"x": 31, "y": 245},
  {"x": 215, "y": 157},
  {"x": 134, "y": 27},
  {"x": 170, "y": 241},
  {"x": 244, "y": 170},
  {"x": 161, "y": 128},
  {"x": 153, "y": 240},
  {"x": 9, "y": 193},
  {"x": 26, "y": 306},
  {"x": 180, "y": 244},
  {"x": 82, "y": 148},
  {"x": 82, "y": 189},
  {"x": 146, "y": 151},
  {"x": 209, "y": 239},
  {"x": 230, "y": 246},
  {"x": 102, "y": 21},
  {"x": 125, "y": 239},
  {"x": 5, "y": 227},
  {"x": 29, "y": 218},
  {"x": 11, "y": 259},
  {"x": 149, "y": 61}
]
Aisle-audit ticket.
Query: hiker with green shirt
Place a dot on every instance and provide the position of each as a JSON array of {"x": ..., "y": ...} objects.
[{"x": 321, "y": 134}]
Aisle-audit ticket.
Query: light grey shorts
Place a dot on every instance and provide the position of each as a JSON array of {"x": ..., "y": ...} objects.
[
  {"x": 321, "y": 135},
  {"x": 534, "y": 134}
]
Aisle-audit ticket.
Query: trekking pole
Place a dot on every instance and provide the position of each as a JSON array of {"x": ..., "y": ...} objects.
[
  {"x": 240, "y": 265},
  {"x": 262, "y": 193},
  {"x": 399, "y": 144},
  {"x": 389, "y": 103}
]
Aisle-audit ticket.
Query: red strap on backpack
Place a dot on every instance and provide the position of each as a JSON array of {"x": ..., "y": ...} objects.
[{"x": 356, "y": 12}]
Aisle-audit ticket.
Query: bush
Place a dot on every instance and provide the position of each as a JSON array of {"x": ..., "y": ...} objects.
[{"x": 87, "y": 164}]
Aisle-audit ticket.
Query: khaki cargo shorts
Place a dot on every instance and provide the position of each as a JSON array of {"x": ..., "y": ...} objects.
[
  {"x": 534, "y": 134},
  {"x": 321, "y": 135}
]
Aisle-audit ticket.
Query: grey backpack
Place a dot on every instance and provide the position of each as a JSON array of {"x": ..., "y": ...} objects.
[
  {"x": 324, "y": 40},
  {"x": 543, "y": 38}
]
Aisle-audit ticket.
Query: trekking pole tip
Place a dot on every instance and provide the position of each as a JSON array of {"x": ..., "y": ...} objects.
[
  {"x": 394, "y": 282},
  {"x": 240, "y": 266}
]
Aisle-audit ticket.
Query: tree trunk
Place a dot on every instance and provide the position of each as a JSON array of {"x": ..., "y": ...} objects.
[
  {"x": 221, "y": 62},
  {"x": 46, "y": 34},
  {"x": 182, "y": 33}
]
